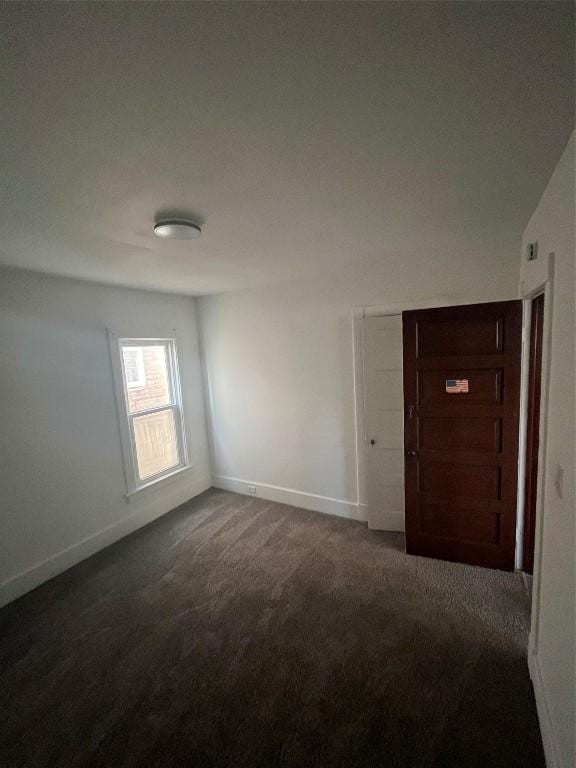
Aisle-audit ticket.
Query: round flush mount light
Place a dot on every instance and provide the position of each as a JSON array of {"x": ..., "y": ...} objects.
[{"x": 177, "y": 229}]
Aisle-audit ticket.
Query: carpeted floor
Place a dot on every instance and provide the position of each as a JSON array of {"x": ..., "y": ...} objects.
[{"x": 240, "y": 633}]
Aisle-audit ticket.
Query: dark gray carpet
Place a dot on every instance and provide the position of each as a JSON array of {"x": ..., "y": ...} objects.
[{"x": 237, "y": 632}]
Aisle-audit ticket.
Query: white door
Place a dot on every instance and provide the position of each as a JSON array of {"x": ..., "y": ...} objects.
[{"x": 384, "y": 422}]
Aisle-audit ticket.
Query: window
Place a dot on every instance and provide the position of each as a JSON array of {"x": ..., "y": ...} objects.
[{"x": 152, "y": 409}]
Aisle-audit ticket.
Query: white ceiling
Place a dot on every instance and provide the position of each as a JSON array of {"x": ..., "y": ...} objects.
[{"x": 303, "y": 135}]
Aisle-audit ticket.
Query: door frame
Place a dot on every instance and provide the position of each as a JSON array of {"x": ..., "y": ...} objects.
[
  {"x": 541, "y": 282},
  {"x": 533, "y": 372}
]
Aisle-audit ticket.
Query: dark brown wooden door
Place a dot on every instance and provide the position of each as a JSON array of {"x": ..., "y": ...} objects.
[
  {"x": 461, "y": 398},
  {"x": 533, "y": 431}
]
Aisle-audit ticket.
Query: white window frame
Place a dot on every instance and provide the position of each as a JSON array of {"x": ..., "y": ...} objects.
[{"x": 126, "y": 419}]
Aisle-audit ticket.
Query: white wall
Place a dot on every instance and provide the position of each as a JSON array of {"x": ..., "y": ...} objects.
[
  {"x": 61, "y": 477},
  {"x": 279, "y": 363},
  {"x": 552, "y": 642}
]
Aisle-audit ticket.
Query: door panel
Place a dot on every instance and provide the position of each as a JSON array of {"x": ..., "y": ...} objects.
[
  {"x": 484, "y": 386},
  {"x": 384, "y": 422},
  {"x": 458, "y": 523},
  {"x": 461, "y": 378},
  {"x": 470, "y": 337},
  {"x": 387, "y": 431},
  {"x": 388, "y": 388},
  {"x": 389, "y": 489},
  {"x": 459, "y": 433},
  {"x": 441, "y": 477}
]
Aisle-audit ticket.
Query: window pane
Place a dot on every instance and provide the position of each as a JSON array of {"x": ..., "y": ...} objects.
[
  {"x": 156, "y": 444},
  {"x": 134, "y": 367},
  {"x": 146, "y": 374}
]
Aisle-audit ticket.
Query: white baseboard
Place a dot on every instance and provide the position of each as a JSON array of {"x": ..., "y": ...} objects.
[
  {"x": 387, "y": 521},
  {"x": 37, "y": 574},
  {"x": 551, "y": 753},
  {"x": 312, "y": 501}
]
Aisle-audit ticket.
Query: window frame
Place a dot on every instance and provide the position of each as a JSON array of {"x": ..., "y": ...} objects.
[{"x": 134, "y": 483}]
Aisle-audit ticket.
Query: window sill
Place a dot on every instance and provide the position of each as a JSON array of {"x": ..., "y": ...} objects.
[{"x": 158, "y": 483}]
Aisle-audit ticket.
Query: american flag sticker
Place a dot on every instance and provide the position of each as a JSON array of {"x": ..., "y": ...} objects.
[{"x": 457, "y": 386}]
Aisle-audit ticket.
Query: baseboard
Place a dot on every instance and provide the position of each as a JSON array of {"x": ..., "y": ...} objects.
[
  {"x": 37, "y": 574},
  {"x": 551, "y": 753},
  {"x": 312, "y": 501},
  {"x": 387, "y": 521}
]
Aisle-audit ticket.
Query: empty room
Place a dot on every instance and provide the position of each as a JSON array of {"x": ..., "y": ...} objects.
[{"x": 287, "y": 401}]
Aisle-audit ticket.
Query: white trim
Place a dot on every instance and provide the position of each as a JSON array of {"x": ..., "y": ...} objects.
[
  {"x": 157, "y": 482},
  {"x": 522, "y": 431},
  {"x": 377, "y": 310},
  {"x": 121, "y": 413},
  {"x": 357, "y": 316},
  {"x": 546, "y": 290},
  {"x": 37, "y": 574},
  {"x": 547, "y": 286},
  {"x": 312, "y": 501},
  {"x": 544, "y": 283},
  {"x": 549, "y": 739}
]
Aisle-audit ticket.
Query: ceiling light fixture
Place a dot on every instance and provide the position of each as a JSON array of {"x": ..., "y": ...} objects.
[{"x": 177, "y": 229}]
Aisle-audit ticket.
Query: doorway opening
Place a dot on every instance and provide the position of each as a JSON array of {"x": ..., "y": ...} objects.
[
  {"x": 462, "y": 457},
  {"x": 533, "y": 431}
]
